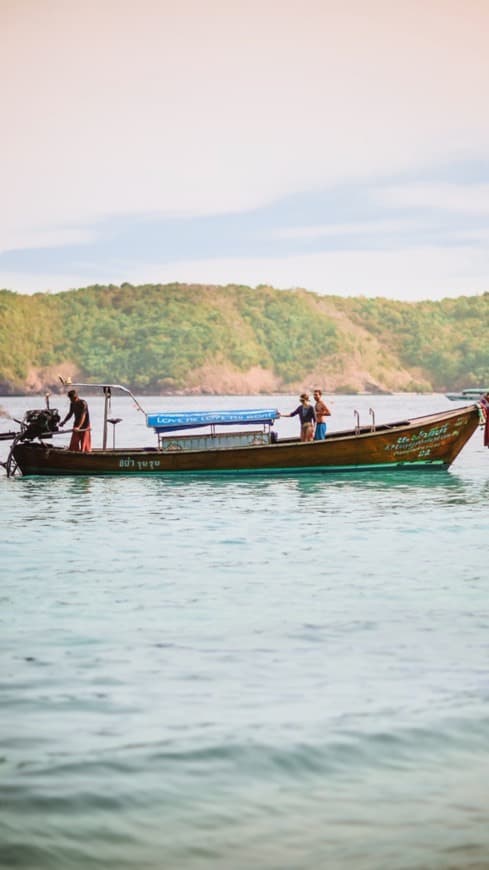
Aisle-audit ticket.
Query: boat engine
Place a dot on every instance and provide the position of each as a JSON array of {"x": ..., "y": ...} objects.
[{"x": 39, "y": 423}]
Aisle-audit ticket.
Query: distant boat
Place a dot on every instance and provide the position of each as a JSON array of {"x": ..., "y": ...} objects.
[
  {"x": 428, "y": 442},
  {"x": 473, "y": 394}
]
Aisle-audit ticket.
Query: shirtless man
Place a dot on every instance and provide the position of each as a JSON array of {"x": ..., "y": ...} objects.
[{"x": 322, "y": 411}]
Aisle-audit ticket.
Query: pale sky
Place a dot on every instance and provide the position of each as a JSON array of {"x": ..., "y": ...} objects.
[{"x": 336, "y": 145}]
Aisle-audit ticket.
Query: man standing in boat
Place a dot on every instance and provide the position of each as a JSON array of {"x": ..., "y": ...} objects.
[
  {"x": 81, "y": 438},
  {"x": 484, "y": 403},
  {"x": 322, "y": 411}
]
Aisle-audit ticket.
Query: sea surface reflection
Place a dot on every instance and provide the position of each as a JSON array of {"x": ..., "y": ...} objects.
[{"x": 227, "y": 672}]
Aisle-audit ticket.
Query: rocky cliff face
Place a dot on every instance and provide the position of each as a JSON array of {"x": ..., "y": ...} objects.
[
  {"x": 41, "y": 380},
  {"x": 216, "y": 380}
]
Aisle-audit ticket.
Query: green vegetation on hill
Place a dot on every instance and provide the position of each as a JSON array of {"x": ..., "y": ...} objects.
[
  {"x": 162, "y": 338},
  {"x": 446, "y": 340}
]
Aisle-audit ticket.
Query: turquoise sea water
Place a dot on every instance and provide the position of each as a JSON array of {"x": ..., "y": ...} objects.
[{"x": 246, "y": 672}]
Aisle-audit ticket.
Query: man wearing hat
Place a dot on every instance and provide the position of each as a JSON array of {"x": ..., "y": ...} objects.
[{"x": 81, "y": 438}]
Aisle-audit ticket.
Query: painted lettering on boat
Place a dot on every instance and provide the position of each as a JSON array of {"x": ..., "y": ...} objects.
[
  {"x": 425, "y": 439},
  {"x": 130, "y": 464}
]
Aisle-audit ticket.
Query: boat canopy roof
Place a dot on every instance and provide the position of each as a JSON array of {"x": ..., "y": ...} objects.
[{"x": 167, "y": 422}]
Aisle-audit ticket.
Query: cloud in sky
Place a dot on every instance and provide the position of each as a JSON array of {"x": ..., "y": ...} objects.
[{"x": 335, "y": 145}]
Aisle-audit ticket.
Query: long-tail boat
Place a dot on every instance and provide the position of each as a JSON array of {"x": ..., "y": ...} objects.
[{"x": 429, "y": 442}]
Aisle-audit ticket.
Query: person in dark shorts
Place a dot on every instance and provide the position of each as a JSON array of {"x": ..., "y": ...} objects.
[{"x": 306, "y": 414}]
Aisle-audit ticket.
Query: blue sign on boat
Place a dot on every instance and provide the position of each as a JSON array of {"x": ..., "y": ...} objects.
[{"x": 166, "y": 422}]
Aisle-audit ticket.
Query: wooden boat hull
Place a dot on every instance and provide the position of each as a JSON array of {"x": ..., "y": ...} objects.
[{"x": 430, "y": 442}]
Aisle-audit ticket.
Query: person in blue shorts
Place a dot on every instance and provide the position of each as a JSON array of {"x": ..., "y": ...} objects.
[{"x": 321, "y": 411}]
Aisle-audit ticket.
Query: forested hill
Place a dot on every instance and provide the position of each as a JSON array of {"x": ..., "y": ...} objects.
[{"x": 191, "y": 338}]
